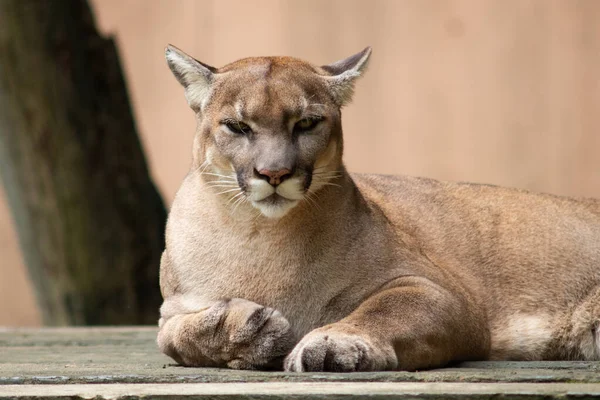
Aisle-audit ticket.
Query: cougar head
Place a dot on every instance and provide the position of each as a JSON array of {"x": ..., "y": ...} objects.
[{"x": 269, "y": 129}]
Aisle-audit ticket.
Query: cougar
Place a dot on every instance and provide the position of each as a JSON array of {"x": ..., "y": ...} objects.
[{"x": 277, "y": 257}]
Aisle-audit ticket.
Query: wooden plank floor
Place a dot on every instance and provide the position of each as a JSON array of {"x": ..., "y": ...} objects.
[{"x": 123, "y": 362}]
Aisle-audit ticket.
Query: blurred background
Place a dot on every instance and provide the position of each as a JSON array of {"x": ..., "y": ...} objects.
[{"x": 496, "y": 91}]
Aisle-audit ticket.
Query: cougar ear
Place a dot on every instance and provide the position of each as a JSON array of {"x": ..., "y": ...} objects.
[
  {"x": 195, "y": 76},
  {"x": 343, "y": 74}
]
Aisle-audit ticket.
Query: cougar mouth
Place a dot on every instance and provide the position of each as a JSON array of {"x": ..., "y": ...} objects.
[
  {"x": 274, "y": 200},
  {"x": 274, "y": 205}
]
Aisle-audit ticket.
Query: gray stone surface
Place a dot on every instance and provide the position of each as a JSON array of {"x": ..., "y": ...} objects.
[{"x": 63, "y": 362}]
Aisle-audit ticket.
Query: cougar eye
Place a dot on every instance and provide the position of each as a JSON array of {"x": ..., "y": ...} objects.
[
  {"x": 237, "y": 127},
  {"x": 306, "y": 124}
]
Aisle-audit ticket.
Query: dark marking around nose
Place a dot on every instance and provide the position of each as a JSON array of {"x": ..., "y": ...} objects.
[
  {"x": 308, "y": 176},
  {"x": 240, "y": 180},
  {"x": 274, "y": 177}
]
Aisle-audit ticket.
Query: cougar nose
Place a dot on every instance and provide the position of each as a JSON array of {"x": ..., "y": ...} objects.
[{"x": 274, "y": 177}]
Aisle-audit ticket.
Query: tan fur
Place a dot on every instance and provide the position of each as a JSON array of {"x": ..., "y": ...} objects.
[{"x": 357, "y": 272}]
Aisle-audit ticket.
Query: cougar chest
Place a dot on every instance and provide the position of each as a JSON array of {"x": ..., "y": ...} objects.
[{"x": 272, "y": 270}]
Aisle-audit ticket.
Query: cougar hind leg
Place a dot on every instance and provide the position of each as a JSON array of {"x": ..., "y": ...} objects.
[{"x": 579, "y": 337}]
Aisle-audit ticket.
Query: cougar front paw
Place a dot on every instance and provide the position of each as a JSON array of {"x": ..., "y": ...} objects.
[
  {"x": 258, "y": 337},
  {"x": 333, "y": 350},
  {"x": 234, "y": 333}
]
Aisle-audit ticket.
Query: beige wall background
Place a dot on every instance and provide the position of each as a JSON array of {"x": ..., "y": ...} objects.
[{"x": 496, "y": 91}]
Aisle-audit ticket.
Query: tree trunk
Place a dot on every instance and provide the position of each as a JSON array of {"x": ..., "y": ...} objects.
[{"x": 89, "y": 219}]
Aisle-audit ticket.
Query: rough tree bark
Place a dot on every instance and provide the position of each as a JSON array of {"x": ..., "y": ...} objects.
[{"x": 89, "y": 219}]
